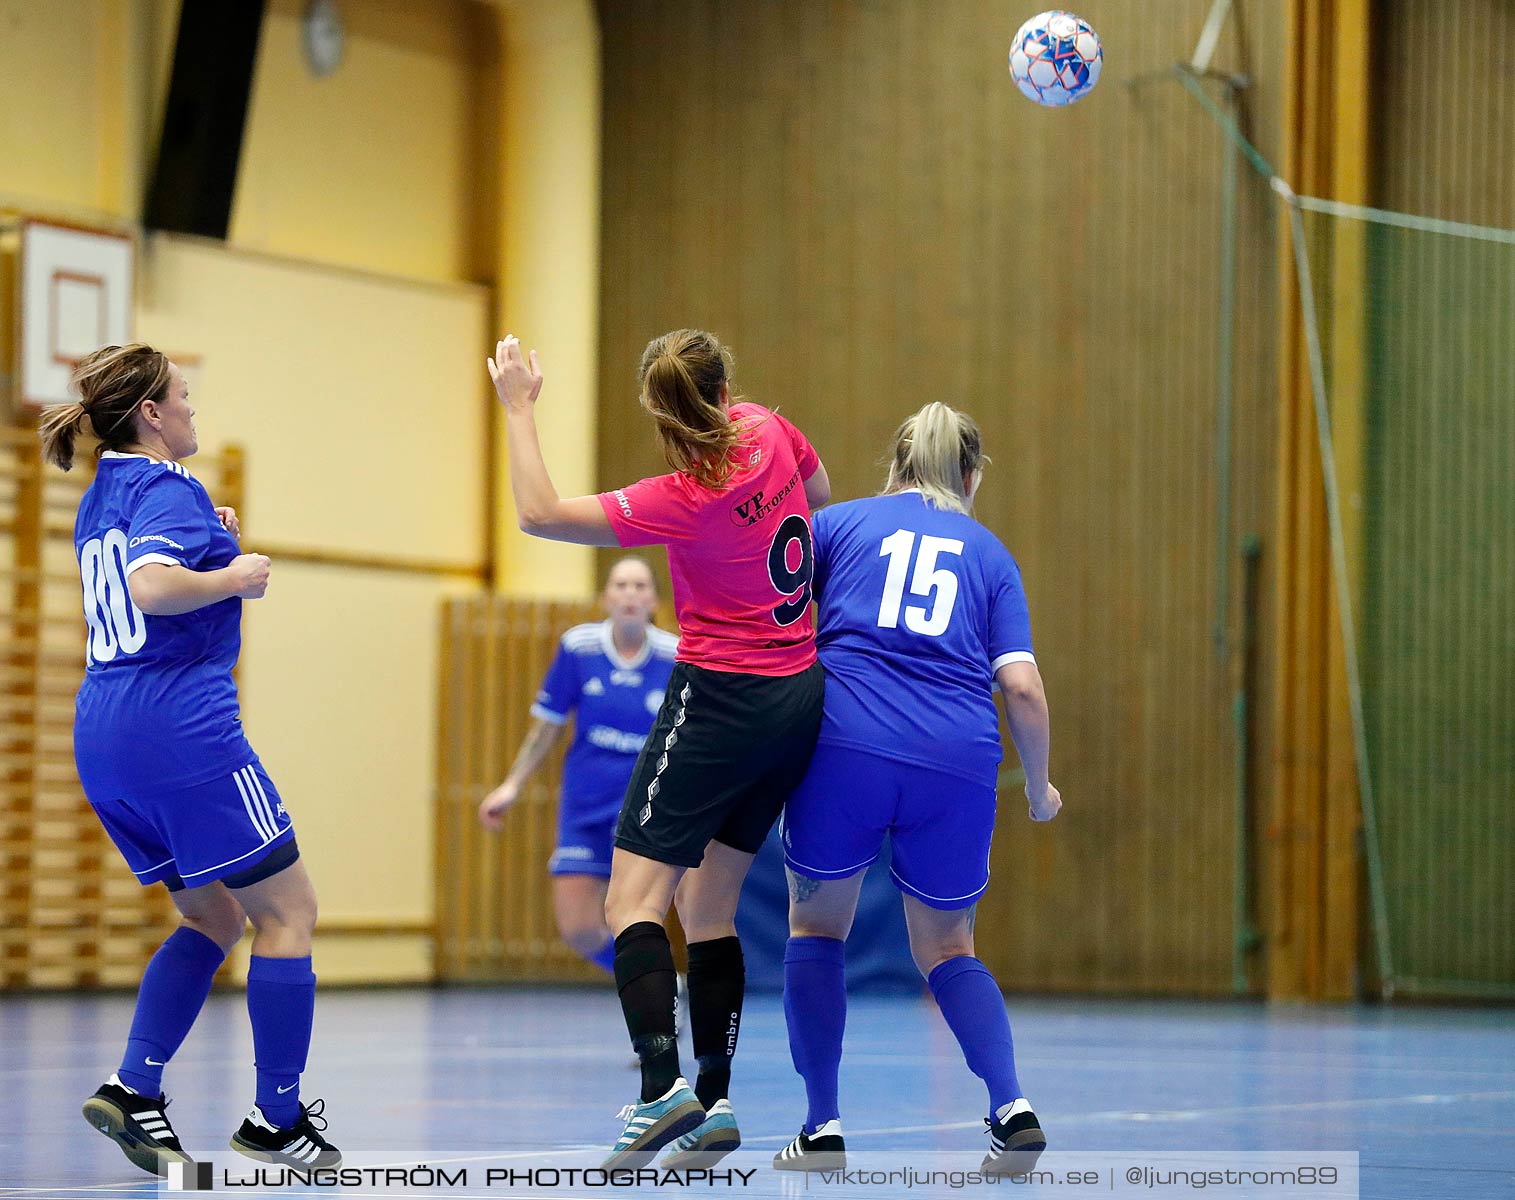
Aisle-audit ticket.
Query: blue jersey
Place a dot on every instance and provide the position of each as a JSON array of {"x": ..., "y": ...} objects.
[
  {"x": 158, "y": 706},
  {"x": 919, "y": 606},
  {"x": 616, "y": 700}
]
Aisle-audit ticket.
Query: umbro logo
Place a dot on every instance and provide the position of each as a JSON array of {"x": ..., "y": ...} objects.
[{"x": 646, "y": 811}]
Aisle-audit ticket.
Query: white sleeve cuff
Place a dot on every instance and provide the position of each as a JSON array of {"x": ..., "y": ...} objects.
[
  {"x": 546, "y": 714},
  {"x": 1014, "y": 656},
  {"x": 151, "y": 558}
]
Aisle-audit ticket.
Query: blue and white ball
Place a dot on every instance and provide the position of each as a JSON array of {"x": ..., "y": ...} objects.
[{"x": 1055, "y": 58}]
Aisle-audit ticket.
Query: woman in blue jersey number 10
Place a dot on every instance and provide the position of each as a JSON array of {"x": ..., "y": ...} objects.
[
  {"x": 610, "y": 676},
  {"x": 921, "y": 614},
  {"x": 165, "y": 765}
]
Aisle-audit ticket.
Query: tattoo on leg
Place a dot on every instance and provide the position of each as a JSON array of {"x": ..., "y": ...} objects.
[{"x": 801, "y": 887}]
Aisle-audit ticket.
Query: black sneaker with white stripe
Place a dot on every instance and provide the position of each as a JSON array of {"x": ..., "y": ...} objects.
[
  {"x": 301, "y": 1146},
  {"x": 822, "y": 1150},
  {"x": 136, "y": 1123},
  {"x": 1016, "y": 1140}
]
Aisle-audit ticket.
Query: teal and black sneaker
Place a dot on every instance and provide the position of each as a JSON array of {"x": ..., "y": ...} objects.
[
  {"x": 708, "y": 1142},
  {"x": 1016, "y": 1140},
  {"x": 137, "y": 1124},
  {"x": 651, "y": 1126},
  {"x": 823, "y": 1150}
]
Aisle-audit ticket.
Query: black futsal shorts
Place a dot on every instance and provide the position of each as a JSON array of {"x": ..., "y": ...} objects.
[{"x": 723, "y": 756}]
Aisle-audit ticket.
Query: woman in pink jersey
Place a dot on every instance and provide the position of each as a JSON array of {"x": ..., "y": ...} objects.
[{"x": 740, "y": 719}]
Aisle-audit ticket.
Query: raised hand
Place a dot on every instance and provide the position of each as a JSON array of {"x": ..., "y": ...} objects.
[{"x": 517, "y": 382}]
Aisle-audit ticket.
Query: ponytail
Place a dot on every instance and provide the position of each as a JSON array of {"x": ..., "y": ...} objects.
[
  {"x": 61, "y": 424},
  {"x": 681, "y": 376},
  {"x": 934, "y": 450},
  {"x": 113, "y": 382}
]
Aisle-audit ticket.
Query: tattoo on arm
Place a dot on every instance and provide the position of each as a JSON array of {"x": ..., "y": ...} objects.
[{"x": 801, "y": 887}]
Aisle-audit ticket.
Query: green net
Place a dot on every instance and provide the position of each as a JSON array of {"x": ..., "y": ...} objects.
[
  {"x": 1410, "y": 324},
  {"x": 1416, "y": 328}
]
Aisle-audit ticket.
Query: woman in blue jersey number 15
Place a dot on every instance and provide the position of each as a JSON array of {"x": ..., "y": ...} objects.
[
  {"x": 610, "y": 676},
  {"x": 165, "y": 765},
  {"x": 921, "y": 614}
]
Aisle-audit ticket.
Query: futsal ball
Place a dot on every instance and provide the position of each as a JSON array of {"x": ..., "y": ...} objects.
[{"x": 1055, "y": 58}]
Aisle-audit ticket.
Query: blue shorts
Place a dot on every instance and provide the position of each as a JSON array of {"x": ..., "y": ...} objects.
[
  {"x": 939, "y": 825},
  {"x": 194, "y": 836},
  {"x": 586, "y": 829}
]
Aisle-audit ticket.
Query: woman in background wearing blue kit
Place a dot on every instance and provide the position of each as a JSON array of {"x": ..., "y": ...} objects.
[
  {"x": 165, "y": 765},
  {"x": 610, "y": 677},
  {"x": 921, "y": 616}
]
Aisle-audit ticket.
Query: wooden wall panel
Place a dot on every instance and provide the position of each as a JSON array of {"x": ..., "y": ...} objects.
[
  {"x": 856, "y": 197},
  {"x": 494, "y": 916}
]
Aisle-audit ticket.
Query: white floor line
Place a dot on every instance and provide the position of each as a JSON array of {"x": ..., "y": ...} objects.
[
  {"x": 1073, "y": 1120},
  {"x": 1072, "y": 1060}
]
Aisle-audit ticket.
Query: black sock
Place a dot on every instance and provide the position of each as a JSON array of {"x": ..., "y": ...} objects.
[
  {"x": 645, "y": 979},
  {"x": 717, "y": 979}
]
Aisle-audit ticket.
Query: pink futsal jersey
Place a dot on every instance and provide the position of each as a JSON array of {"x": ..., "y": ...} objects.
[{"x": 741, "y": 558}]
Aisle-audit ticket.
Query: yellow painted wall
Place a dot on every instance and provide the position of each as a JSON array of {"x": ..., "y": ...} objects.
[
  {"x": 367, "y": 388},
  {"x": 50, "y": 128},
  {"x": 549, "y": 188},
  {"x": 371, "y": 166}
]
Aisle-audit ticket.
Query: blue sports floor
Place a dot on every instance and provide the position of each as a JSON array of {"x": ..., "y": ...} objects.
[{"x": 1426, "y": 1096}]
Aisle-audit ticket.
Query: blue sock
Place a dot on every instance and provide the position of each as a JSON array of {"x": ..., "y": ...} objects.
[
  {"x": 281, "y": 1000},
  {"x": 173, "y": 991},
  {"x": 815, "y": 1009},
  {"x": 604, "y": 957},
  {"x": 971, "y": 1001}
]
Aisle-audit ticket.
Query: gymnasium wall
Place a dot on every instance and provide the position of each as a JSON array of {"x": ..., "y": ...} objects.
[
  {"x": 338, "y": 337},
  {"x": 859, "y": 201}
]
